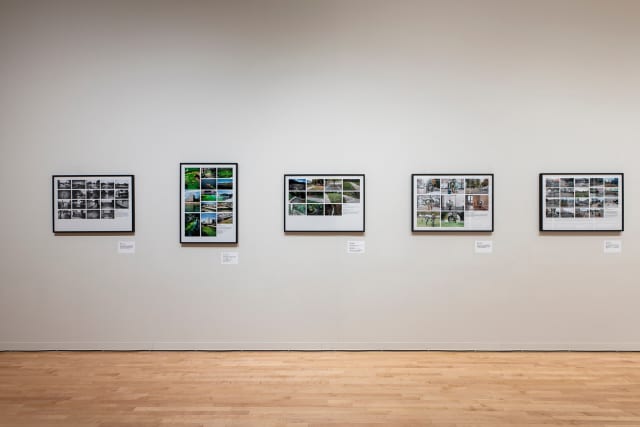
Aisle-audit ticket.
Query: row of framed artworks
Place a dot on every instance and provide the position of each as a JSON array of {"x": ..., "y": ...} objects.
[{"x": 334, "y": 203}]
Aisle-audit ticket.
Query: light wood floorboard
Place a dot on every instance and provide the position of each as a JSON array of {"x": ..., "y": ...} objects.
[{"x": 190, "y": 389}]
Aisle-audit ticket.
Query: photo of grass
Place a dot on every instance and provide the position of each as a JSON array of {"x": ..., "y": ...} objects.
[
  {"x": 225, "y": 218},
  {"x": 334, "y": 197},
  {"x": 192, "y": 207},
  {"x": 452, "y": 219},
  {"x": 333, "y": 185},
  {"x": 297, "y": 184},
  {"x": 225, "y": 184},
  {"x": 208, "y": 183},
  {"x": 192, "y": 196},
  {"x": 315, "y": 185},
  {"x": 225, "y": 173},
  {"x": 208, "y": 226},
  {"x": 209, "y": 196},
  {"x": 316, "y": 197},
  {"x": 351, "y": 184},
  {"x": 297, "y": 210},
  {"x": 428, "y": 219},
  {"x": 351, "y": 197},
  {"x": 192, "y": 225},
  {"x": 297, "y": 197},
  {"x": 333, "y": 210},
  {"x": 192, "y": 178},
  {"x": 225, "y": 195},
  {"x": 315, "y": 209},
  {"x": 225, "y": 206},
  {"x": 209, "y": 173},
  {"x": 208, "y": 206}
]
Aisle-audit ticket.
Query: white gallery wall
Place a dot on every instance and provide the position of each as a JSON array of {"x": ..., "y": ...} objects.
[{"x": 384, "y": 88}]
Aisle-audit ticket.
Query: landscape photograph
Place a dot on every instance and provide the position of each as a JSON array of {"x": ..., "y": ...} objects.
[
  {"x": 225, "y": 195},
  {"x": 208, "y": 206},
  {"x": 334, "y": 197},
  {"x": 209, "y": 195},
  {"x": 192, "y": 196},
  {"x": 78, "y": 184},
  {"x": 297, "y": 197},
  {"x": 582, "y": 212},
  {"x": 192, "y": 225},
  {"x": 315, "y": 185},
  {"x": 297, "y": 210},
  {"x": 225, "y": 206},
  {"x": 192, "y": 178},
  {"x": 120, "y": 183},
  {"x": 428, "y": 219},
  {"x": 315, "y": 209},
  {"x": 611, "y": 182},
  {"x": 581, "y": 182},
  {"x": 208, "y": 225},
  {"x": 453, "y": 219},
  {"x": 192, "y": 207},
  {"x": 351, "y": 197},
  {"x": 208, "y": 183},
  {"x": 107, "y": 184},
  {"x": 209, "y": 173},
  {"x": 297, "y": 184},
  {"x": 225, "y": 218},
  {"x": 225, "y": 183},
  {"x": 566, "y": 182},
  {"x": 477, "y": 186},
  {"x": 597, "y": 182},
  {"x": 552, "y": 182},
  {"x": 225, "y": 172},
  {"x": 316, "y": 197},
  {"x": 351, "y": 184},
  {"x": 333, "y": 185}
]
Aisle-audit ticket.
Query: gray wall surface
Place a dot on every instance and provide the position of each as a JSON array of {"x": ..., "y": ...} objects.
[{"x": 281, "y": 86}]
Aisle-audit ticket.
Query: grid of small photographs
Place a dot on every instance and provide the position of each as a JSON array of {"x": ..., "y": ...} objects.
[
  {"x": 322, "y": 196},
  {"x": 92, "y": 203},
  {"x": 447, "y": 202},
  {"x": 91, "y": 198},
  {"x": 208, "y": 202},
  {"x": 574, "y": 199}
]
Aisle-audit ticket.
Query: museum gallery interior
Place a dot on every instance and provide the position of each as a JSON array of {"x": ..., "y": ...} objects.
[{"x": 319, "y": 213}]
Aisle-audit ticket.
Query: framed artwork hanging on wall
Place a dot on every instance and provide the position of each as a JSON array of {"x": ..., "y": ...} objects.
[
  {"x": 208, "y": 203},
  {"x": 93, "y": 203},
  {"x": 581, "y": 202},
  {"x": 451, "y": 202},
  {"x": 324, "y": 202}
]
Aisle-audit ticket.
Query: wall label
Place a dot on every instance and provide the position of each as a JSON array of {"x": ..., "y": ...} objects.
[
  {"x": 229, "y": 258},
  {"x": 356, "y": 247},
  {"x": 612, "y": 246},
  {"x": 126, "y": 247},
  {"x": 483, "y": 246}
]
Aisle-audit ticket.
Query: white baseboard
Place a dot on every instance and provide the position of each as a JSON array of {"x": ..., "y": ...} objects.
[{"x": 316, "y": 346}]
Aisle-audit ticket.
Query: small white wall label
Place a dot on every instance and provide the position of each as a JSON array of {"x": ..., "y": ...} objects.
[
  {"x": 355, "y": 247},
  {"x": 126, "y": 247},
  {"x": 612, "y": 246},
  {"x": 483, "y": 246},
  {"x": 229, "y": 258}
]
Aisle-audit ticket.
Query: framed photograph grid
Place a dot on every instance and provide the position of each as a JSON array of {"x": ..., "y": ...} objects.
[
  {"x": 93, "y": 203},
  {"x": 452, "y": 202},
  {"x": 581, "y": 201},
  {"x": 208, "y": 203},
  {"x": 328, "y": 202}
]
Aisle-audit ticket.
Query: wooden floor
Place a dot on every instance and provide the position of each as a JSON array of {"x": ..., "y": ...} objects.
[{"x": 147, "y": 389}]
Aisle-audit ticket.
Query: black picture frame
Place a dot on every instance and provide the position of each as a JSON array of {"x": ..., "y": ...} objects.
[
  {"x": 107, "y": 222},
  {"x": 598, "y": 204},
  {"x": 230, "y": 235},
  {"x": 437, "y": 222},
  {"x": 313, "y": 221}
]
